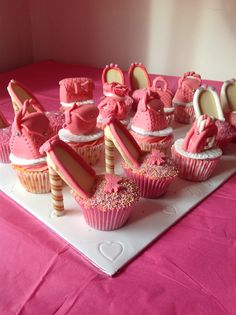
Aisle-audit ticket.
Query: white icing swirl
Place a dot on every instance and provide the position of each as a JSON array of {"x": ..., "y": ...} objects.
[
  {"x": 100, "y": 120},
  {"x": 208, "y": 154},
  {"x": 19, "y": 161},
  {"x": 157, "y": 133},
  {"x": 77, "y": 103},
  {"x": 169, "y": 109},
  {"x": 66, "y": 136}
]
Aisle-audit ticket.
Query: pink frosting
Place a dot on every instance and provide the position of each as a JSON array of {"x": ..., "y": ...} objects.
[
  {"x": 81, "y": 120},
  {"x": 150, "y": 115},
  {"x": 76, "y": 89},
  {"x": 29, "y": 131},
  {"x": 202, "y": 132}
]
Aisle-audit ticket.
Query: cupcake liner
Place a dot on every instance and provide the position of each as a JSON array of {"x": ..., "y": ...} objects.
[
  {"x": 184, "y": 114},
  {"x": 106, "y": 220},
  {"x": 162, "y": 146},
  {"x": 34, "y": 182},
  {"x": 91, "y": 154},
  {"x": 149, "y": 188},
  {"x": 193, "y": 169},
  {"x": 5, "y": 153}
]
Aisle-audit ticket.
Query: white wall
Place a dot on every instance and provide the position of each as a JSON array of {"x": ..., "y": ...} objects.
[
  {"x": 15, "y": 34},
  {"x": 168, "y": 36}
]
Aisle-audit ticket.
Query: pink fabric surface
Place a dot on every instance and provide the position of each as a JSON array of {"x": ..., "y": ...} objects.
[{"x": 191, "y": 269}]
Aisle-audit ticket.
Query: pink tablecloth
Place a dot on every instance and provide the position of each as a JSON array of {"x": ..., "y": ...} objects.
[{"x": 191, "y": 269}]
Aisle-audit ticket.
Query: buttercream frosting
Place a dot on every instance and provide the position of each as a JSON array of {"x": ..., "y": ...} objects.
[
  {"x": 66, "y": 136},
  {"x": 208, "y": 154}
]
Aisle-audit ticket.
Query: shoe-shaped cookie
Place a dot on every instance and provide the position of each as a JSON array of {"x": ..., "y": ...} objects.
[
  {"x": 228, "y": 96},
  {"x": 138, "y": 77},
  {"x": 112, "y": 73},
  {"x": 30, "y": 129},
  {"x": 19, "y": 94},
  {"x": 206, "y": 101}
]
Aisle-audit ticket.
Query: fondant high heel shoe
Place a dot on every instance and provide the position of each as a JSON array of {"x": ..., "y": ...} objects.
[
  {"x": 152, "y": 172},
  {"x": 206, "y": 101},
  {"x": 19, "y": 94},
  {"x": 138, "y": 77},
  {"x": 112, "y": 73},
  {"x": 106, "y": 201},
  {"x": 228, "y": 101}
]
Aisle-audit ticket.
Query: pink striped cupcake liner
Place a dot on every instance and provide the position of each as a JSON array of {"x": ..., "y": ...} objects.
[
  {"x": 149, "y": 188},
  {"x": 5, "y": 153},
  {"x": 184, "y": 114},
  {"x": 106, "y": 220},
  {"x": 162, "y": 146},
  {"x": 34, "y": 182},
  {"x": 91, "y": 154},
  {"x": 193, "y": 169}
]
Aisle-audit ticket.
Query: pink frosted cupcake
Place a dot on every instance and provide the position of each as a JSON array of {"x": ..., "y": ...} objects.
[
  {"x": 5, "y": 135},
  {"x": 29, "y": 131},
  {"x": 76, "y": 90},
  {"x": 183, "y": 98},
  {"x": 149, "y": 126},
  {"x": 81, "y": 133},
  {"x": 197, "y": 156},
  {"x": 116, "y": 103},
  {"x": 111, "y": 203}
]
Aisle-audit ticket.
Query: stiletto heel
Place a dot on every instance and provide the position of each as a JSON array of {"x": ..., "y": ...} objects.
[
  {"x": 109, "y": 156},
  {"x": 56, "y": 191},
  {"x": 152, "y": 172},
  {"x": 106, "y": 201},
  {"x": 112, "y": 73}
]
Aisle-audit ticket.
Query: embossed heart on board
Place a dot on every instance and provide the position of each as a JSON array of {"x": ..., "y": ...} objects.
[
  {"x": 170, "y": 210},
  {"x": 111, "y": 250}
]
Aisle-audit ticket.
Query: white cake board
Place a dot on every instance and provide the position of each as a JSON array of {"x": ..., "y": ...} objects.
[{"x": 109, "y": 251}]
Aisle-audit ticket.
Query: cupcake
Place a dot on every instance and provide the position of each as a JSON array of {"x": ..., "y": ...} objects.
[
  {"x": 197, "y": 155},
  {"x": 149, "y": 126},
  {"x": 19, "y": 94},
  {"x": 183, "y": 98},
  {"x": 154, "y": 174},
  {"x": 29, "y": 131},
  {"x": 80, "y": 132},
  {"x": 5, "y": 135},
  {"x": 111, "y": 203},
  {"x": 116, "y": 103},
  {"x": 76, "y": 90}
]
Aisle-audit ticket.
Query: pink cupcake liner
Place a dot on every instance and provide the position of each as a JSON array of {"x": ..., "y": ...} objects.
[
  {"x": 162, "y": 146},
  {"x": 34, "y": 182},
  {"x": 91, "y": 154},
  {"x": 149, "y": 188},
  {"x": 193, "y": 169},
  {"x": 184, "y": 114},
  {"x": 106, "y": 220},
  {"x": 5, "y": 153}
]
